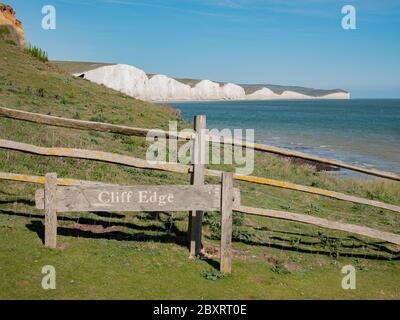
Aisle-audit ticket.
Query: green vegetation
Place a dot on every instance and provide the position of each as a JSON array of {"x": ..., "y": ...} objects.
[
  {"x": 213, "y": 274},
  {"x": 36, "y": 52},
  {"x": 4, "y": 31},
  {"x": 74, "y": 67},
  {"x": 144, "y": 255},
  {"x": 7, "y": 35},
  {"x": 280, "y": 268}
]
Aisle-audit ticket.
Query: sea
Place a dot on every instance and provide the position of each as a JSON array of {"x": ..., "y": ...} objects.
[{"x": 359, "y": 131}]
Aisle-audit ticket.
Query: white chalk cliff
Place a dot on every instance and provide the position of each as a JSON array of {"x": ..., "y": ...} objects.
[{"x": 136, "y": 83}]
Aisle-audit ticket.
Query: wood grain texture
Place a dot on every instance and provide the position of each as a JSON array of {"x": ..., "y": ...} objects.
[
  {"x": 197, "y": 179},
  {"x": 227, "y": 199},
  {"x": 50, "y": 206},
  {"x": 85, "y": 125},
  {"x": 324, "y": 223},
  {"x": 41, "y": 180},
  {"x": 318, "y": 191},
  {"x": 305, "y": 156},
  {"x": 179, "y": 168},
  {"x": 94, "y": 155},
  {"x": 136, "y": 198},
  {"x": 125, "y": 130}
]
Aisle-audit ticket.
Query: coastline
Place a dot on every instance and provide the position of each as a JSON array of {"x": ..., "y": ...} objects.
[
  {"x": 248, "y": 100},
  {"x": 138, "y": 84},
  {"x": 339, "y": 129}
]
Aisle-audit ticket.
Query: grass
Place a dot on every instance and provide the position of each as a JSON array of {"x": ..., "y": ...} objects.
[
  {"x": 37, "y": 52},
  {"x": 7, "y": 34},
  {"x": 78, "y": 67},
  {"x": 143, "y": 256}
]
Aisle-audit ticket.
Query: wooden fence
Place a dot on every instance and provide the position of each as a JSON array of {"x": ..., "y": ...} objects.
[
  {"x": 130, "y": 131},
  {"x": 99, "y": 198},
  {"x": 180, "y": 168},
  {"x": 197, "y": 172}
]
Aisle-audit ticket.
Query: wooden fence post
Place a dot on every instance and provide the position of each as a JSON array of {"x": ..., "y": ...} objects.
[
  {"x": 197, "y": 179},
  {"x": 226, "y": 222},
  {"x": 50, "y": 205}
]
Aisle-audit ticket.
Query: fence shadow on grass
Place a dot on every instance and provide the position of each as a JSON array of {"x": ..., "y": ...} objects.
[
  {"x": 18, "y": 201},
  {"x": 313, "y": 243},
  {"x": 89, "y": 228},
  {"x": 358, "y": 244},
  {"x": 38, "y": 227},
  {"x": 83, "y": 230},
  {"x": 318, "y": 247},
  {"x": 170, "y": 233}
]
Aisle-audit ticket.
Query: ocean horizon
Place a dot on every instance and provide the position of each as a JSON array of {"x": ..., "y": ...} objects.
[{"x": 359, "y": 131}]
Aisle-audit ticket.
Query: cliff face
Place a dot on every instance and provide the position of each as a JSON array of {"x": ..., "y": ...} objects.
[
  {"x": 8, "y": 19},
  {"x": 136, "y": 83}
]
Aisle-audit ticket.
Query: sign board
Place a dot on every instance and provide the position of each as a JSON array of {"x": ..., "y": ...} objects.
[{"x": 137, "y": 198}]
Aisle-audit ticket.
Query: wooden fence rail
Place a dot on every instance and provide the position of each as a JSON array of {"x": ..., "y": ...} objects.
[
  {"x": 41, "y": 180},
  {"x": 195, "y": 229},
  {"x": 180, "y": 168},
  {"x": 93, "y": 155},
  {"x": 318, "y": 191},
  {"x": 324, "y": 223},
  {"x": 305, "y": 156},
  {"x": 125, "y": 130},
  {"x": 360, "y": 230},
  {"x": 86, "y": 125}
]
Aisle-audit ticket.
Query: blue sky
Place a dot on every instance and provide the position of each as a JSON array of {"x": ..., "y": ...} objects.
[{"x": 297, "y": 42}]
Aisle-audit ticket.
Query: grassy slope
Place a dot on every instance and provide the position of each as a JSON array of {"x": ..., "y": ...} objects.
[
  {"x": 78, "y": 67},
  {"x": 143, "y": 255}
]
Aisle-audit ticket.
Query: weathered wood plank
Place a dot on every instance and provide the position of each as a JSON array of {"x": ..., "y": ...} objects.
[
  {"x": 50, "y": 206},
  {"x": 227, "y": 200},
  {"x": 197, "y": 179},
  {"x": 318, "y": 191},
  {"x": 85, "y": 125},
  {"x": 179, "y": 168},
  {"x": 351, "y": 228},
  {"x": 41, "y": 180},
  {"x": 105, "y": 127},
  {"x": 304, "y": 156},
  {"x": 94, "y": 155},
  {"x": 136, "y": 198}
]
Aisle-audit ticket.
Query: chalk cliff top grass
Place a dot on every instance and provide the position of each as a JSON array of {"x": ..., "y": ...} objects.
[
  {"x": 143, "y": 256},
  {"x": 75, "y": 67}
]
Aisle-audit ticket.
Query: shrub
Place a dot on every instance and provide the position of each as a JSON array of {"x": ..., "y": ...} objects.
[
  {"x": 40, "y": 92},
  {"x": 280, "y": 268},
  {"x": 98, "y": 118},
  {"x": 313, "y": 208},
  {"x": 12, "y": 42},
  {"x": 242, "y": 235},
  {"x": 213, "y": 275},
  {"x": 237, "y": 219},
  {"x": 76, "y": 116},
  {"x": 332, "y": 244},
  {"x": 4, "y": 31},
  {"x": 214, "y": 222},
  {"x": 36, "y": 52}
]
